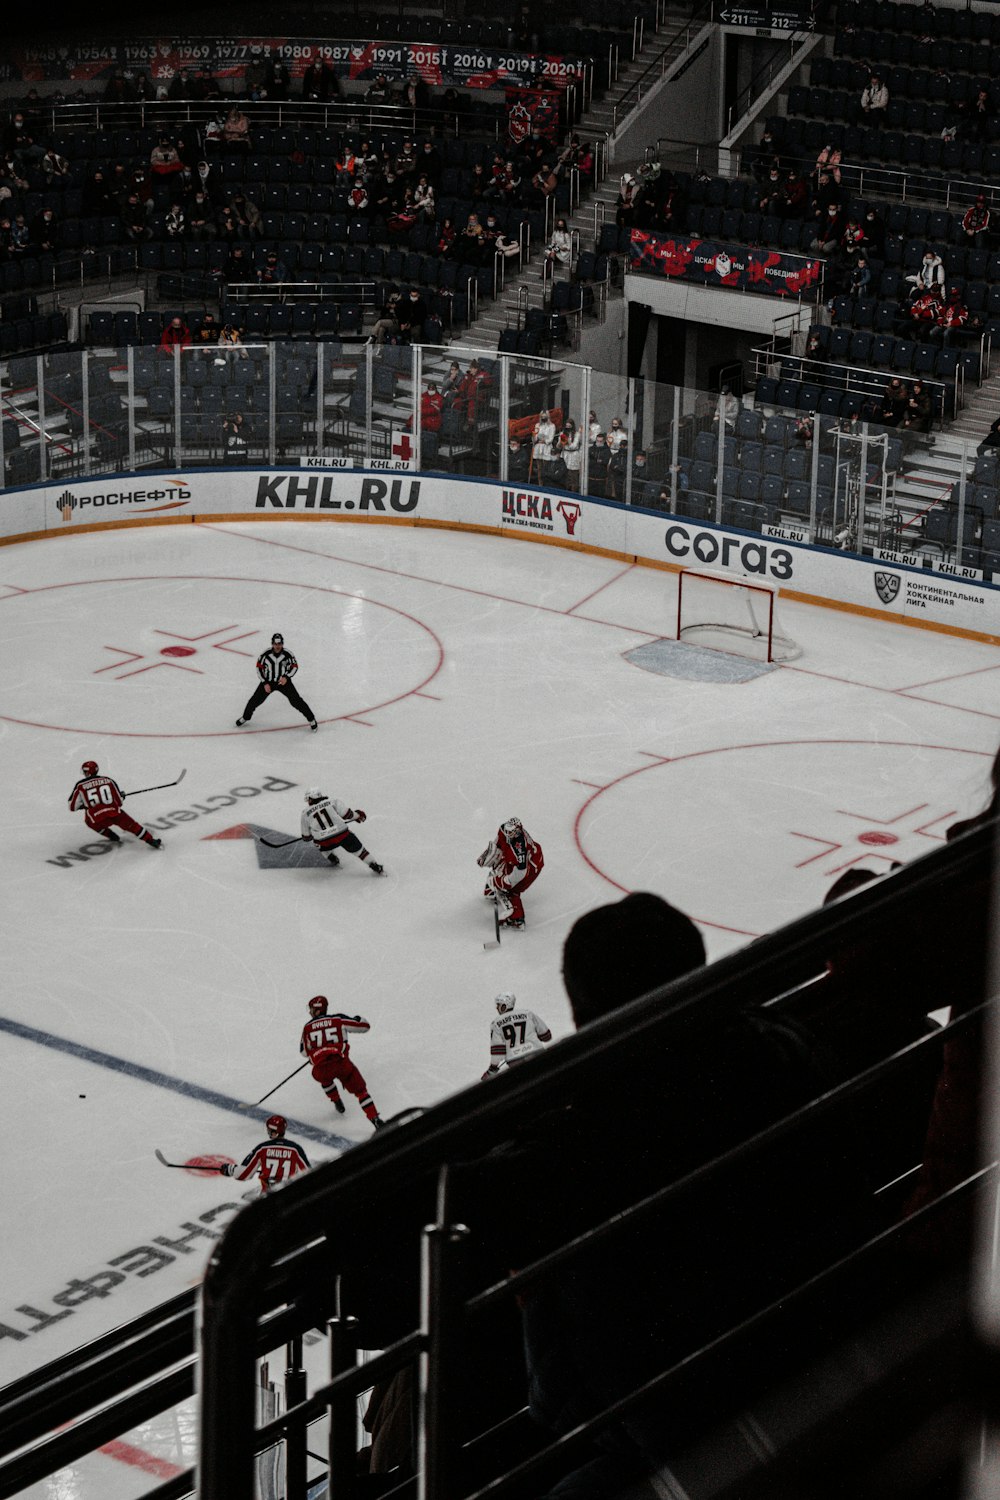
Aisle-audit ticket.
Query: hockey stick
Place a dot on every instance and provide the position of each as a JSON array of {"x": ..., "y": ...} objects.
[
  {"x": 162, "y": 787},
  {"x": 277, "y": 1086},
  {"x": 185, "y": 1166},
  {"x": 283, "y": 845}
]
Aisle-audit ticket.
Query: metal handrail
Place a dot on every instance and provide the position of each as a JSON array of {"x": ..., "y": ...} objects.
[{"x": 762, "y": 79}]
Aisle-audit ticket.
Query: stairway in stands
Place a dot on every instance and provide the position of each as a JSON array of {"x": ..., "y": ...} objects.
[{"x": 527, "y": 288}]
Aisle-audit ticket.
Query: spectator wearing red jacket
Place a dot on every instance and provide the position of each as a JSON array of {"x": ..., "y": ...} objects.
[{"x": 176, "y": 335}]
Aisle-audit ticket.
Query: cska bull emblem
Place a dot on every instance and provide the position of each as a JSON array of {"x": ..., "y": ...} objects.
[
  {"x": 887, "y": 586},
  {"x": 519, "y": 123}
]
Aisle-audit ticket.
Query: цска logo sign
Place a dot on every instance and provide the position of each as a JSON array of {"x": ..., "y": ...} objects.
[{"x": 887, "y": 586}]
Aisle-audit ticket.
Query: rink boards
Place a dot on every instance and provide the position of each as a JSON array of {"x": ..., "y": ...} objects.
[{"x": 947, "y": 597}]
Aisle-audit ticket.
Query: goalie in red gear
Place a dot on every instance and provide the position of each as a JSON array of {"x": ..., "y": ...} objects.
[
  {"x": 516, "y": 862},
  {"x": 324, "y": 1043},
  {"x": 100, "y": 800}
]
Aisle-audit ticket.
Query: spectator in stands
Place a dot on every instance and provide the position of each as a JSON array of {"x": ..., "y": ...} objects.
[
  {"x": 234, "y": 441},
  {"x": 236, "y": 130},
  {"x": 859, "y": 278},
  {"x": 424, "y": 200},
  {"x": 279, "y": 79},
  {"x": 894, "y": 402},
  {"x": 447, "y": 236},
  {"x": 571, "y": 447},
  {"x": 231, "y": 342},
  {"x": 976, "y": 223},
  {"x": 97, "y": 198},
  {"x": 830, "y": 226},
  {"x": 805, "y": 430},
  {"x": 595, "y": 431},
  {"x": 918, "y": 414},
  {"x": 358, "y": 201},
  {"x": 992, "y": 438},
  {"x": 200, "y": 218},
  {"x": 727, "y": 409},
  {"x": 416, "y": 96},
  {"x": 640, "y": 468},
  {"x": 19, "y": 238},
  {"x": 543, "y": 435},
  {"x": 469, "y": 244},
  {"x": 165, "y": 161},
  {"x": 405, "y": 162},
  {"x": 772, "y": 191},
  {"x": 764, "y": 156},
  {"x": 247, "y": 215},
  {"x": 469, "y": 394},
  {"x": 319, "y": 81},
  {"x": 497, "y": 182},
  {"x": 429, "y": 163},
  {"x": 875, "y": 98},
  {"x": 412, "y": 315},
  {"x": 117, "y": 90},
  {"x": 176, "y": 335},
  {"x": 626, "y": 203},
  {"x": 53, "y": 167},
  {"x": 559, "y": 250},
  {"x": 431, "y": 407},
  {"x": 815, "y": 353},
  {"x": 134, "y": 221},
  {"x": 452, "y": 382},
  {"x": 509, "y": 248},
  {"x": 979, "y": 115},
  {"x": 175, "y": 222},
  {"x": 922, "y": 315},
  {"x": 600, "y": 457},
  {"x": 929, "y": 276},
  {"x": 543, "y": 184},
  {"x": 273, "y": 271},
  {"x": 616, "y": 472},
  {"x": 239, "y": 267},
  {"x": 951, "y": 320},
  {"x": 378, "y": 91},
  {"x": 616, "y": 436},
  {"x": 45, "y": 232},
  {"x": 387, "y": 327},
  {"x": 518, "y": 461},
  {"x": 874, "y": 235}
]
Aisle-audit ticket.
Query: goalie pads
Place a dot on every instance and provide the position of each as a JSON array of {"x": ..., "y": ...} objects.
[{"x": 504, "y": 906}]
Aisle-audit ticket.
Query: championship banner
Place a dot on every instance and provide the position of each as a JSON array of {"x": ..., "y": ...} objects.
[
  {"x": 472, "y": 67},
  {"x": 714, "y": 265},
  {"x": 532, "y": 109}
]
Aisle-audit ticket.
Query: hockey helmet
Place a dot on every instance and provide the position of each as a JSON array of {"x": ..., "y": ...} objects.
[
  {"x": 315, "y": 795},
  {"x": 90, "y": 768},
  {"x": 276, "y": 1125},
  {"x": 277, "y": 640},
  {"x": 317, "y": 1005},
  {"x": 505, "y": 1002},
  {"x": 512, "y": 827}
]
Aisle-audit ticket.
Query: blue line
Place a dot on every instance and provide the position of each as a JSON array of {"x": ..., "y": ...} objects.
[{"x": 165, "y": 1081}]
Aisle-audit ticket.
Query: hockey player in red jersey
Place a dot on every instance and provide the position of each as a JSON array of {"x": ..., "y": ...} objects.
[
  {"x": 515, "y": 861},
  {"x": 326, "y": 1046},
  {"x": 100, "y": 800},
  {"x": 274, "y": 1161}
]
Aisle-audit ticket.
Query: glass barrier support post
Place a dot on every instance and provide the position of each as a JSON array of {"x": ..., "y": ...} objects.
[
  {"x": 296, "y": 1441},
  {"x": 178, "y": 444},
  {"x": 342, "y": 1449},
  {"x": 85, "y": 436},
  {"x": 43, "y": 450},
  {"x": 271, "y": 404}
]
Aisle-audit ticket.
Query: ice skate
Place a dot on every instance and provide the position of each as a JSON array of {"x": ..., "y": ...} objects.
[
  {"x": 376, "y": 869},
  {"x": 156, "y": 843},
  {"x": 333, "y": 861},
  {"x": 112, "y": 838},
  {"x": 378, "y": 1122},
  {"x": 337, "y": 1103},
  {"x": 515, "y": 922},
  {"x": 313, "y": 725},
  {"x": 240, "y": 723}
]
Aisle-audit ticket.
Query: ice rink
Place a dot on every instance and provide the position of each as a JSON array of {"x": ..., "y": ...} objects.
[{"x": 458, "y": 680}]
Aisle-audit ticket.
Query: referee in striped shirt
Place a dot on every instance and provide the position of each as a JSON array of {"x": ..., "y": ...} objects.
[{"x": 276, "y": 668}]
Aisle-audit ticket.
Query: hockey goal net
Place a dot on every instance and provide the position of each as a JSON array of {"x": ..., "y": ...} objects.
[{"x": 730, "y": 612}]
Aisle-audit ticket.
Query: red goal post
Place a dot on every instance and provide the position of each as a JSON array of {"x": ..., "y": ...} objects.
[{"x": 739, "y": 612}]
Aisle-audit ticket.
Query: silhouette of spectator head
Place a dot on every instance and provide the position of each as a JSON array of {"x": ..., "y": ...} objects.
[{"x": 616, "y": 953}]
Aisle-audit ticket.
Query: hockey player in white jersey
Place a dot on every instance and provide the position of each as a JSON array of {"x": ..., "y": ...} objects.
[
  {"x": 325, "y": 821},
  {"x": 514, "y": 1035}
]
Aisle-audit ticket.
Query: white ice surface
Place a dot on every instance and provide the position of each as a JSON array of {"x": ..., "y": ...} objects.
[{"x": 458, "y": 680}]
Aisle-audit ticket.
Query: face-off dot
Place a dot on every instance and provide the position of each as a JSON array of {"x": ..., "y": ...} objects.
[
  {"x": 177, "y": 651},
  {"x": 875, "y": 836}
]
